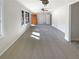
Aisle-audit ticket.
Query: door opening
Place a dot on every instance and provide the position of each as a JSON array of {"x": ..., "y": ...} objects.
[{"x": 34, "y": 19}]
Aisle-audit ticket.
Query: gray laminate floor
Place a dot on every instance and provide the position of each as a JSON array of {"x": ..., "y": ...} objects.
[{"x": 41, "y": 42}]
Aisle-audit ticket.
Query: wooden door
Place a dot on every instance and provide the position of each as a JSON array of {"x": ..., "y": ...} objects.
[{"x": 34, "y": 19}]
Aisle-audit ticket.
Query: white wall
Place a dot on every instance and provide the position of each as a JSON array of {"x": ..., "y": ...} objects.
[
  {"x": 12, "y": 24},
  {"x": 60, "y": 20}
]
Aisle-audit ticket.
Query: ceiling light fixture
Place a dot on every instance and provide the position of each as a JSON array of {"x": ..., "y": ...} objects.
[{"x": 45, "y": 2}]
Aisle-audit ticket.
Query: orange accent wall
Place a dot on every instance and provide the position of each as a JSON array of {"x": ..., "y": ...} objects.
[{"x": 34, "y": 19}]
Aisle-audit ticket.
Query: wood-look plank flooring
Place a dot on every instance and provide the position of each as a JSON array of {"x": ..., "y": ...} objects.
[{"x": 50, "y": 46}]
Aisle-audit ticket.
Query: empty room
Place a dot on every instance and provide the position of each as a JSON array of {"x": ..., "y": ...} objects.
[{"x": 39, "y": 29}]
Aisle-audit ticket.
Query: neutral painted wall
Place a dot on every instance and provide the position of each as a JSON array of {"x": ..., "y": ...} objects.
[
  {"x": 75, "y": 21},
  {"x": 60, "y": 20},
  {"x": 62, "y": 17},
  {"x": 12, "y": 24}
]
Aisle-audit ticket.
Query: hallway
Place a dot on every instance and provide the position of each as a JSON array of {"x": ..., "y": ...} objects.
[{"x": 50, "y": 45}]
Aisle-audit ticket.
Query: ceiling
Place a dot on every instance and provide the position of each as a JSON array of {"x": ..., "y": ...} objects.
[{"x": 36, "y": 5}]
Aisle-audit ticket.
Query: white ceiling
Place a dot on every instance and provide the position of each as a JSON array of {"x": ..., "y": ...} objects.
[{"x": 36, "y": 5}]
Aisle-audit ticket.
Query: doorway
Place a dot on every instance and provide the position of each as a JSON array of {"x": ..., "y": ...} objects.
[
  {"x": 74, "y": 22},
  {"x": 44, "y": 18},
  {"x": 34, "y": 19}
]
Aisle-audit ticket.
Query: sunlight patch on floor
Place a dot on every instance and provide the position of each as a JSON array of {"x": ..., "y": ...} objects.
[
  {"x": 33, "y": 25},
  {"x": 35, "y": 35}
]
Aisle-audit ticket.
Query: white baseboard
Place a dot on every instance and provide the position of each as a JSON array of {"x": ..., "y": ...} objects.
[
  {"x": 11, "y": 43},
  {"x": 66, "y": 37}
]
